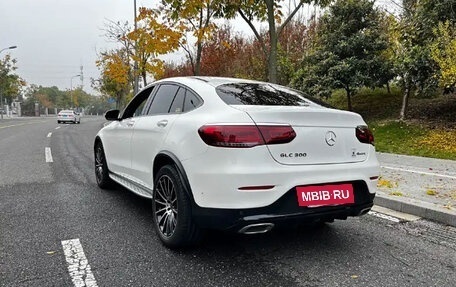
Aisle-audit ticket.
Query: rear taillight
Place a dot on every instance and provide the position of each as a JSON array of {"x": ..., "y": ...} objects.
[
  {"x": 277, "y": 134},
  {"x": 245, "y": 136},
  {"x": 364, "y": 135}
]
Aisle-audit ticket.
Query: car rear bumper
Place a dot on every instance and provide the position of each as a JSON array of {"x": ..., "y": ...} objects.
[
  {"x": 242, "y": 181},
  {"x": 285, "y": 211}
]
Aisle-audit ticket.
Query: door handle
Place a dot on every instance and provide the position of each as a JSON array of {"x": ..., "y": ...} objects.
[
  {"x": 162, "y": 123},
  {"x": 130, "y": 124}
]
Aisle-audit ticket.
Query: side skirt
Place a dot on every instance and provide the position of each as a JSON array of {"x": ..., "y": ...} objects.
[{"x": 132, "y": 185}]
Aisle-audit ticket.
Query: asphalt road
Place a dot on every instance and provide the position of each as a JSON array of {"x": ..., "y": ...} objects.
[{"x": 44, "y": 203}]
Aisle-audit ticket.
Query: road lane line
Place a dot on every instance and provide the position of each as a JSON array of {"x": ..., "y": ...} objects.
[
  {"x": 57, "y": 128},
  {"x": 48, "y": 154},
  {"x": 49, "y": 135},
  {"x": 21, "y": 124},
  {"x": 418, "y": 172},
  {"x": 78, "y": 265},
  {"x": 396, "y": 214},
  {"x": 384, "y": 216}
]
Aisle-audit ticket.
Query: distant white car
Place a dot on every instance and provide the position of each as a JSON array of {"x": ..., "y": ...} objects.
[
  {"x": 238, "y": 155},
  {"x": 68, "y": 116}
]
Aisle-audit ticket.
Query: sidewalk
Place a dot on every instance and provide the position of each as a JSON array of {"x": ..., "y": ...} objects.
[{"x": 424, "y": 187}]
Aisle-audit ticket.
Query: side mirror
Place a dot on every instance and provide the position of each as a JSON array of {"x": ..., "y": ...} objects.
[{"x": 112, "y": 115}]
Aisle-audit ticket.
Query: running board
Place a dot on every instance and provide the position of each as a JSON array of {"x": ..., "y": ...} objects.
[{"x": 132, "y": 185}]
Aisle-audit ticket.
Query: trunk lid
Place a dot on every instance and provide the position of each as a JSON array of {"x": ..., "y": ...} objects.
[{"x": 323, "y": 136}]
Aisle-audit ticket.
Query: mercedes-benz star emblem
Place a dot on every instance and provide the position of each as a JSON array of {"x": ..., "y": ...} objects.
[{"x": 330, "y": 138}]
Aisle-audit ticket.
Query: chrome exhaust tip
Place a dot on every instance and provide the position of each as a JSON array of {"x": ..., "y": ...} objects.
[{"x": 256, "y": 228}]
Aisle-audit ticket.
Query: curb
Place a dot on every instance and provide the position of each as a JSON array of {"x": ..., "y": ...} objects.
[{"x": 418, "y": 208}]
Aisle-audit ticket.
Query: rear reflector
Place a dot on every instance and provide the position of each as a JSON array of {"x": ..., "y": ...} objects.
[
  {"x": 260, "y": 187},
  {"x": 245, "y": 136},
  {"x": 364, "y": 135}
]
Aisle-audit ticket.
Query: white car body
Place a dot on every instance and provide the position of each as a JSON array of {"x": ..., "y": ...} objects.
[
  {"x": 236, "y": 180},
  {"x": 68, "y": 116}
]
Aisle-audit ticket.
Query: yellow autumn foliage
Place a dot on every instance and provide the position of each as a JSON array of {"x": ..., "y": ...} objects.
[
  {"x": 440, "y": 140},
  {"x": 386, "y": 183},
  {"x": 114, "y": 67},
  {"x": 443, "y": 51}
]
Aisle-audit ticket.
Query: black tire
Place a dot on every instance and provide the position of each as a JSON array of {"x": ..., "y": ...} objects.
[
  {"x": 58, "y": 122},
  {"x": 101, "y": 167},
  {"x": 171, "y": 206}
]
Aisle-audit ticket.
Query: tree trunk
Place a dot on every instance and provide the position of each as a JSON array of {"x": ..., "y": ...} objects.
[
  {"x": 144, "y": 76},
  {"x": 199, "y": 49},
  {"x": 405, "y": 100},
  {"x": 349, "y": 102},
  {"x": 388, "y": 88},
  {"x": 272, "y": 58}
]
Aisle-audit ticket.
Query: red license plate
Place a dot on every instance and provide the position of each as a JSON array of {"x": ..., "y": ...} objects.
[{"x": 321, "y": 195}]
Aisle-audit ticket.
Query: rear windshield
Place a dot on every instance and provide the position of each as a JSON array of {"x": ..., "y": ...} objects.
[{"x": 260, "y": 94}]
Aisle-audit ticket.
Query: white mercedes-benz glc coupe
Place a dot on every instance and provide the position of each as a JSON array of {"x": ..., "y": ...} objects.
[{"x": 236, "y": 155}]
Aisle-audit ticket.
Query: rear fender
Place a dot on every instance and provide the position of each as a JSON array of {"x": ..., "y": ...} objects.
[{"x": 166, "y": 157}]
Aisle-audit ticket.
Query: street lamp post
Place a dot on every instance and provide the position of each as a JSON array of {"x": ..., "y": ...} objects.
[
  {"x": 71, "y": 89},
  {"x": 135, "y": 67},
  {"x": 8, "y": 48},
  {"x": 1, "y": 94}
]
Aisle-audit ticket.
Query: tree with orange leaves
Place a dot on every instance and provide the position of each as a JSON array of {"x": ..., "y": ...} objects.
[
  {"x": 153, "y": 38},
  {"x": 195, "y": 18}
]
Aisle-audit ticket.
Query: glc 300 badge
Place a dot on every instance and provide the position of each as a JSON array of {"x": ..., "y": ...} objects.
[
  {"x": 330, "y": 138},
  {"x": 293, "y": 154}
]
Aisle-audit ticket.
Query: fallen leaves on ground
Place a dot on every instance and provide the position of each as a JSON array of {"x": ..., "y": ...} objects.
[
  {"x": 444, "y": 140},
  {"x": 386, "y": 183},
  {"x": 431, "y": 192},
  {"x": 396, "y": 193}
]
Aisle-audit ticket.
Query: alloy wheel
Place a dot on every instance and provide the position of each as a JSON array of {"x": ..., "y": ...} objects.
[
  {"x": 165, "y": 201},
  {"x": 99, "y": 163}
]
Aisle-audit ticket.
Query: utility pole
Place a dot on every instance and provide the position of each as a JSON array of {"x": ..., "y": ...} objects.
[
  {"x": 71, "y": 89},
  {"x": 82, "y": 77},
  {"x": 1, "y": 106},
  {"x": 135, "y": 67}
]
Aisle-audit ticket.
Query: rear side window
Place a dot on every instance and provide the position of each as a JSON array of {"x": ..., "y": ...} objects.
[
  {"x": 163, "y": 99},
  {"x": 261, "y": 94},
  {"x": 191, "y": 101},
  {"x": 178, "y": 102}
]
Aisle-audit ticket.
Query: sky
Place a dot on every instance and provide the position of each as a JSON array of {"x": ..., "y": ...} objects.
[{"x": 54, "y": 38}]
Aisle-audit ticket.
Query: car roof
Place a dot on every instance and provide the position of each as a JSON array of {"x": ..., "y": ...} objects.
[
  {"x": 66, "y": 111},
  {"x": 205, "y": 86},
  {"x": 212, "y": 81}
]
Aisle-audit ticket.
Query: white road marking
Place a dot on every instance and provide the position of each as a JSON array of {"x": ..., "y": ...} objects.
[
  {"x": 21, "y": 124},
  {"x": 49, "y": 135},
  {"x": 48, "y": 154},
  {"x": 394, "y": 213},
  {"x": 419, "y": 172},
  {"x": 384, "y": 216},
  {"x": 57, "y": 128},
  {"x": 78, "y": 266}
]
